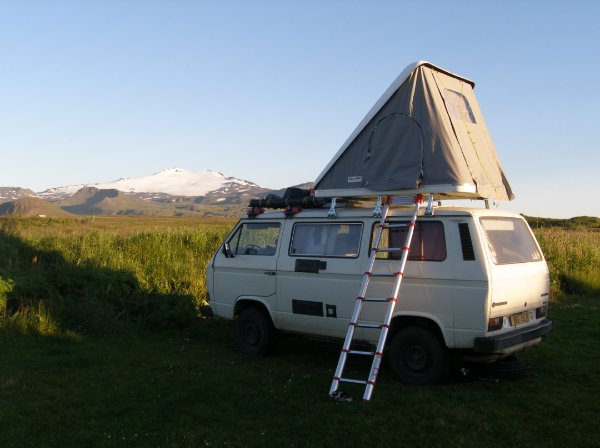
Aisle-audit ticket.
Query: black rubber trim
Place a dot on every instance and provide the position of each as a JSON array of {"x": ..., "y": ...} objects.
[
  {"x": 492, "y": 344},
  {"x": 310, "y": 266},
  {"x": 307, "y": 307}
]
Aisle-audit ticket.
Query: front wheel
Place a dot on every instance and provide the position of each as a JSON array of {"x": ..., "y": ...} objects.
[
  {"x": 254, "y": 332},
  {"x": 417, "y": 356}
]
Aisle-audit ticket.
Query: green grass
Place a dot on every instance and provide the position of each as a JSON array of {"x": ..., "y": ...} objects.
[
  {"x": 89, "y": 273},
  {"x": 573, "y": 257},
  {"x": 191, "y": 388}
]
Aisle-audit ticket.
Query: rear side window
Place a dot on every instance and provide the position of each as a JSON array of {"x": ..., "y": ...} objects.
[
  {"x": 510, "y": 241},
  {"x": 255, "y": 239},
  {"x": 428, "y": 243},
  {"x": 326, "y": 240}
]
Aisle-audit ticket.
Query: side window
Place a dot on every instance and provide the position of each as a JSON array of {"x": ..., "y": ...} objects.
[
  {"x": 326, "y": 240},
  {"x": 255, "y": 238},
  {"x": 428, "y": 242}
]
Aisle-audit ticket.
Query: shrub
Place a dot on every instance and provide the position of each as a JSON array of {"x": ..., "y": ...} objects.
[{"x": 6, "y": 286}]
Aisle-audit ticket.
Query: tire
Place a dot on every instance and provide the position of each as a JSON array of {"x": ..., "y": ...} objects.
[
  {"x": 418, "y": 357},
  {"x": 254, "y": 333}
]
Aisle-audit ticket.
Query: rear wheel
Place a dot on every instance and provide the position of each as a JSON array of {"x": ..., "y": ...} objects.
[
  {"x": 254, "y": 332},
  {"x": 417, "y": 356}
]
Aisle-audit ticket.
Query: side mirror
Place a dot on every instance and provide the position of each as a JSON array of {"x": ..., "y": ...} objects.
[{"x": 227, "y": 251}]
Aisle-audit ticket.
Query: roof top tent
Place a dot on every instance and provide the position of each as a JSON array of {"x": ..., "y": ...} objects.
[{"x": 426, "y": 134}]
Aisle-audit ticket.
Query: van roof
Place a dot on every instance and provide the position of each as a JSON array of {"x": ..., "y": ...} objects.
[{"x": 367, "y": 212}]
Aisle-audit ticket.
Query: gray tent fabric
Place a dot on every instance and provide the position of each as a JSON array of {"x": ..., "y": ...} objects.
[{"x": 426, "y": 134}]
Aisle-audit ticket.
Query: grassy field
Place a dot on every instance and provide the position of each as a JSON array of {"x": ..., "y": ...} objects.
[
  {"x": 100, "y": 345},
  {"x": 191, "y": 388},
  {"x": 573, "y": 257}
]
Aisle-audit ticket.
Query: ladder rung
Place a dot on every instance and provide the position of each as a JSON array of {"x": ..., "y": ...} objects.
[
  {"x": 383, "y": 274},
  {"x": 367, "y": 325},
  {"x": 377, "y": 299},
  {"x": 389, "y": 249},
  {"x": 395, "y": 226},
  {"x": 359, "y": 352},
  {"x": 350, "y": 380}
]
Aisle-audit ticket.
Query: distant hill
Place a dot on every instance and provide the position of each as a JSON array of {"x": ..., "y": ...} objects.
[
  {"x": 31, "y": 207},
  {"x": 8, "y": 194},
  {"x": 93, "y": 201},
  {"x": 590, "y": 222}
]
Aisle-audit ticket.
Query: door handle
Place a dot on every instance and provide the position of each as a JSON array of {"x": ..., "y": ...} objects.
[{"x": 270, "y": 272}]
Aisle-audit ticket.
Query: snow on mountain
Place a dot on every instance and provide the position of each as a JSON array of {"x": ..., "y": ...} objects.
[
  {"x": 8, "y": 194},
  {"x": 174, "y": 181}
]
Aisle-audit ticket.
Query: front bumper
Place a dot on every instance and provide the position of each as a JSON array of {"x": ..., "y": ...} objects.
[{"x": 495, "y": 344}]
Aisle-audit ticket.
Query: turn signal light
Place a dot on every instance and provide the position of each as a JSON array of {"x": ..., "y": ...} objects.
[{"x": 495, "y": 323}]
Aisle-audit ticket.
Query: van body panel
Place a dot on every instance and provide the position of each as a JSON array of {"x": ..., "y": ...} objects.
[{"x": 334, "y": 287}]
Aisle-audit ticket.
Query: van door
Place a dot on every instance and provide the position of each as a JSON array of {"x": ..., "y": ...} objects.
[
  {"x": 246, "y": 266},
  {"x": 319, "y": 277}
]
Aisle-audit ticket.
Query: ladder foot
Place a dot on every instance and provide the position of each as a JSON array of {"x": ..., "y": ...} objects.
[{"x": 340, "y": 397}]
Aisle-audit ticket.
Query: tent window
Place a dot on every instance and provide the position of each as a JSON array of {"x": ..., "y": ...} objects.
[{"x": 459, "y": 107}]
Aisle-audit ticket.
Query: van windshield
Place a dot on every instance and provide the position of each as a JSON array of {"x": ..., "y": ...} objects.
[{"x": 510, "y": 240}]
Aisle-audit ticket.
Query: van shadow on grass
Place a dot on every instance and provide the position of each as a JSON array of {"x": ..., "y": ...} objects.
[{"x": 44, "y": 288}]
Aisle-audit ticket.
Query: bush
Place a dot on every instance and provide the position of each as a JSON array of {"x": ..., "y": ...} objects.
[{"x": 6, "y": 286}]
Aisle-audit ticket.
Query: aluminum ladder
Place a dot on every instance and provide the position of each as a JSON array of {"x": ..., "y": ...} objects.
[{"x": 362, "y": 298}]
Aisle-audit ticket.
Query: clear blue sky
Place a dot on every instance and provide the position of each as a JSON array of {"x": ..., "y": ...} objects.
[{"x": 91, "y": 91}]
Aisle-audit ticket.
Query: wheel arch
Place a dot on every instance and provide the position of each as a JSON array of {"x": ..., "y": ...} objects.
[
  {"x": 402, "y": 321},
  {"x": 244, "y": 303}
]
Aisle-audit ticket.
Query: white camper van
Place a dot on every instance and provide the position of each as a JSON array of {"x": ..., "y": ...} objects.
[{"x": 474, "y": 281}]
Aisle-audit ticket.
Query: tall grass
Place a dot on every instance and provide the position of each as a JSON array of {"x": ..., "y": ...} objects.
[
  {"x": 573, "y": 257},
  {"x": 85, "y": 274}
]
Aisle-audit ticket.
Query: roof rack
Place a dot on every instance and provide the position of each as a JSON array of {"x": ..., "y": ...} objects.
[{"x": 299, "y": 199}]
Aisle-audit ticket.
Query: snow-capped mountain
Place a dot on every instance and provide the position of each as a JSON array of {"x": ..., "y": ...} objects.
[
  {"x": 8, "y": 194},
  {"x": 175, "y": 182}
]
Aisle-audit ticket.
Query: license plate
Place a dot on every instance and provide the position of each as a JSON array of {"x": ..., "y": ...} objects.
[{"x": 520, "y": 318}]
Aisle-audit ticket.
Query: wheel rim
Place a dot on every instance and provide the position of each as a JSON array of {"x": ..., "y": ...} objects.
[
  {"x": 415, "y": 358},
  {"x": 251, "y": 334}
]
